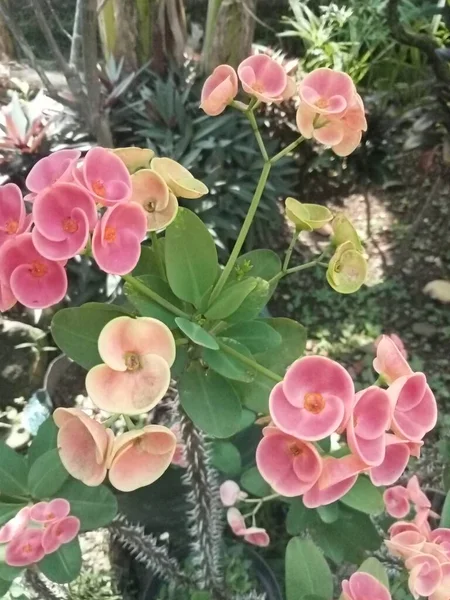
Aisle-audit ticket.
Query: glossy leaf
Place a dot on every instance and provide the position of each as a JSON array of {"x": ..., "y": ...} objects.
[
  {"x": 8, "y": 510},
  {"x": 64, "y": 565},
  {"x": 231, "y": 299},
  {"x": 13, "y": 472},
  {"x": 299, "y": 518},
  {"x": 80, "y": 343},
  {"x": 307, "y": 571},
  {"x": 94, "y": 506},
  {"x": 196, "y": 333},
  {"x": 329, "y": 513},
  {"x": 376, "y": 569},
  {"x": 252, "y": 482},
  {"x": 263, "y": 263},
  {"x": 147, "y": 264},
  {"x": 253, "y": 304},
  {"x": 226, "y": 458},
  {"x": 365, "y": 497},
  {"x": 4, "y": 587},
  {"x": 210, "y": 401},
  {"x": 258, "y": 336},
  {"x": 8, "y": 573},
  {"x": 148, "y": 307},
  {"x": 445, "y": 514},
  {"x": 228, "y": 366},
  {"x": 44, "y": 441},
  {"x": 191, "y": 257},
  {"x": 47, "y": 475}
]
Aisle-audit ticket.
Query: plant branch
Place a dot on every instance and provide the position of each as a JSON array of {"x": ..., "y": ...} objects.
[
  {"x": 57, "y": 20},
  {"x": 289, "y": 251},
  {"x": 250, "y": 362},
  {"x": 77, "y": 39},
  {"x": 287, "y": 150},
  {"x": 145, "y": 291},
  {"x": 254, "y": 125}
]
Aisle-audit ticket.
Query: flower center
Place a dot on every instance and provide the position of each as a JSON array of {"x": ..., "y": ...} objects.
[
  {"x": 150, "y": 206},
  {"x": 322, "y": 103},
  {"x": 132, "y": 361},
  {"x": 314, "y": 402},
  {"x": 38, "y": 269},
  {"x": 27, "y": 548},
  {"x": 110, "y": 234},
  {"x": 258, "y": 86},
  {"x": 98, "y": 187},
  {"x": 70, "y": 225},
  {"x": 294, "y": 449},
  {"x": 12, "y": 226},
  {"x": 49, "y": 516}
]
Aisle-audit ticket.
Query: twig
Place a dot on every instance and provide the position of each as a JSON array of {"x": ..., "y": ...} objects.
[
  {"x": 76, "y": 46},
  {"x": 57, "y": 19}
]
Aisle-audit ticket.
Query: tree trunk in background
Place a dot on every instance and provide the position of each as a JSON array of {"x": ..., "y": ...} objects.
[
  {"x": 229, "y": 32},
  {"x": 6, "y": 44}
]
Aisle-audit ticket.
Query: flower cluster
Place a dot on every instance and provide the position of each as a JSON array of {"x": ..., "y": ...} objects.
[
  {"x": 106, "y": 201},
  {"x": 137, "y": 355},
  {"x": 330, "y": 109},
  {"x": 36, "y": 531},
  {"x": 361, "y": 586},
  {"x": 316, "y": 399},
  {"x": 425, "y": 552}
]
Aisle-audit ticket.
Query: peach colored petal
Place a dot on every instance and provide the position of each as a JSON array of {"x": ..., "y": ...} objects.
[
  {"x": 330, "y": 134},
  {"x": 305, "y": 120},
  {"x": 389, "y": 361},
  {"x": 180, "y": 181},
  {"x": 134, "y": 158},
  {"x": 236, "y": 521},
  {"x": 425, "y": 574},
  {"x": 219, "y": 90},
  {"x": 349, "y": 142},
  {"x": 363, "y": 586},
  {"x": 396, "y": 501}
]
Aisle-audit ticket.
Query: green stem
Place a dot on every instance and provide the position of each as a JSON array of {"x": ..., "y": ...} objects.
[
  {"x": 145, "y": 291},
  {"x": 240, "y": 106},
  {"x": 287, "y": 150},
  {"x": 112, "y": 419},
  {"x": 181, "y": 342},
  {"x": 155, "y": 246},
  {"x": 265, "y": 499},
  {"x": 251, "y": 117},
  {"x": 307, "y": 265},
  {"x": 130, "y": 423},
  {"x": 289, "y": 251},
  {"x": 243, "y": 233},
  {"x": 250, "y": 362}
]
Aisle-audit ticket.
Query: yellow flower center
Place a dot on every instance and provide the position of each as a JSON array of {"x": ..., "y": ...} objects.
[
  {"x": 150, "y": 206},
  {"x": 294, "y": 449},
  {"x": 314, "y": 402},
  {"x": 132, "y": 361},
  {"x": 38, "y": 269},
  {"x": 70, "y": 225},
  {"x": 12, "y": 227},
  {"x": 27, "y": 548},
  {"x": 258, "y": 86},
  {"x": 110, "y": 234},
  {"x": 322, "y": 103},
  {"x": 98, "y": 187}
]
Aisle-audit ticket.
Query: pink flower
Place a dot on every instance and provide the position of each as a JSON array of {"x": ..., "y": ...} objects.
[
  {"x": 15, "y": 526},
  {"x": 57, "y": 167},
  {"x": 417, "y": 497},
  {"x": 263, "y": 77},
  {"x": 105, "y": 177},
  {"x": 327, "y": 92},
  {"x": 396, "y": 458},
  {"x": 390, "y": 361},
  {"x": 152, "y": 193},
  {"x": 314, "y": 399},
  {"x": 396, "y": 501},
  {"x": 441, "y": 592},
  {"x": 397, "y": 341},
  {"x": 7, "y": 298},
  {"x": 362, "y": 586},
  {"x": 63, "y": 215},
  {"x": 236, "y": 521},
  {"x": 34, "y": 280},
  {"x": 59, "y": 532},
  {"x": 401, "y": 526},
  {"x": 44, "y": 512},
  {"x": 405, "y": 544},
  {"x": 84, "y": 445},
  {"x": 253, "y": 535},
  {"x": 219, "y": 90},
  {"x": 415, "y": 408},
  {"x": 366, "y": 428},
  {"x": 25, "y": 549},
  {"x": 291, "y": 466},
  {"x": 140, "y": 457},
  {"x": 230, "y": 493},
  {"x": 116, "y": 242},
  {"x": 138, "y": 354},
  {"x": 338, "y": 477},
  {"x": 425, "y": 574},
  {"x": 13, "y": 218}
]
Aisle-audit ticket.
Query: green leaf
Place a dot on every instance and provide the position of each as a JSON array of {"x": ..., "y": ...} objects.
[
  {"x": 299, "y": 518},
  {"x": 226, "y": 458},
  {"x": 94, "y": 506},
  {"x": 47, "y": 475},
  {"x": 264, "y": 263},
  {"x": 44, "y": 441},
  {"x": 307, "y": 571},
  {"x": 4, "y": 587},
  {"x": 64, "y": 565},
  {"x": 329, "y": 513},
  {"x": 191, "y": 257},
  {"x": 148, "y": 307},
  {"x": 446, "y": 478},
  {"x": 256, "y": 335},
  {"x": 229, "y": 366},
  {"x": 376, "y": 569},
  {"x": 210, "y": 401},
  {"x": 181, "y": 361},
  {"x": 252, "y": 482},
  {"x": 80, "y": 343},
  {"x": 365, "y": 497},
  {"x": 8, "y": 573},
  {"x": 8, "y": 510},
  {"x": 253, "y": 304},
  {"x": 13, "y": 472},
  {"x": 196, "y": 333},
  {"x": 445, "y": 514},
  {"x": 231, "y": 299},
  {"x": 147, "y": 264}
]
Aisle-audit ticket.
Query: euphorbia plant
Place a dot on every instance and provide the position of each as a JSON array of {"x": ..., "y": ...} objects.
[{"x": 325, "y": 450}]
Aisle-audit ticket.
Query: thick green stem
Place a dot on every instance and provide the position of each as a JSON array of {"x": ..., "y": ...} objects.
[
  {"x": 289, "y": 251},
  {"x": 286, "y": 150},
  {"x": 250, "y": 362},
  {"x": 251, "y": 117},
  {"x": 307, "y": 265},
  {"x": 145, "y": 291}
]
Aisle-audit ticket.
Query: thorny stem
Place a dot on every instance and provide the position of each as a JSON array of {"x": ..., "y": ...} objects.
[
  {"x": 146, "y": 291},
  {"x": 251, "y": 363}
]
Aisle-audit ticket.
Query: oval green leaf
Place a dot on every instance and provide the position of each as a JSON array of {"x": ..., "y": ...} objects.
[
  {"x": 13, "y": 472},
  {"x": 4, "y": 587},
  {"x": 94, "y": 506},
  {"x": 376, "y": 569},
  {"x": 365, "y": 497},
  {"x": 8, "y": 573},
  {"x": 445, "y": 514},
  {"x": 47, "y": 475},
  {"x": 329, "y": 513},
  {"x": 258, "y": 263},
  {"x": 231, "y": 299},
  {"x": 253, "y": 483},
  {"x": 196, "y": 333},
  {"x": 44, "y": 441},
  {"x": 210, "y": 401},
  {"x": 64, "y": 565},
  {"x": 148, "y": 307},
  {"x": 226, "y": 458},
  {"x": 256, "y": 335},
  {"x": 307, "y": 571},
  {"x": 147, "y": 263},
  {"x": 191, "y": 257},
  {"x": 229, "y": 366},
  {"x": 253, "y": 304}
]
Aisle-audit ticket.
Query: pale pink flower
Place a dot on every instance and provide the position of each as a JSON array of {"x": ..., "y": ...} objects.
[
  {"x": 57, "y": 167},
  {"x": 396, "y": 501},
  {"x": 253, "y": 535},
  {"x": 25, "y": 548},
  {"x": 368, "y": 424},
  {"x": 401, "y": 526},
  {"x": 415, "y": 408},
  {"x": 44, "y": 512},
  {"x": 59, "y": 532},
  {"x": 416, "y": 495},
  {"x": 397, "y": 341},
  {"x": 230, "y": 493},
  {"x": 140, "y": 457},
  {"x": 425, "y": 574},
  {"x": 138, "y": 354},
  {"x": 405, "y": 544},
  {"x": 263, "y": 77},
  {"x": 35, "y": 281},
  {"x": 63, "y": 216},
  {"x": 363, "y": 586},
  {"x": 13, "y": 218},
  {"x": 396, "y": 458},
  {"x": 84, "y": 445},
  {"x": 219, "y": 90},
  {"x": 442, "y": 591},
  {"x": 15, "y": 526},
  {"x": 314, "y": 399},
  {"x": 105, "y": 177},
  {"x": 7, "y": 298},
  {"x": 152, "y": 193},
  {"x": 390, "y": 361},
  {"x": 327, "y": 92},
  {"x": 338, "y": 477},
  {"x": 236, "y": 521},
  {"x": 291, "y": 466}
]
